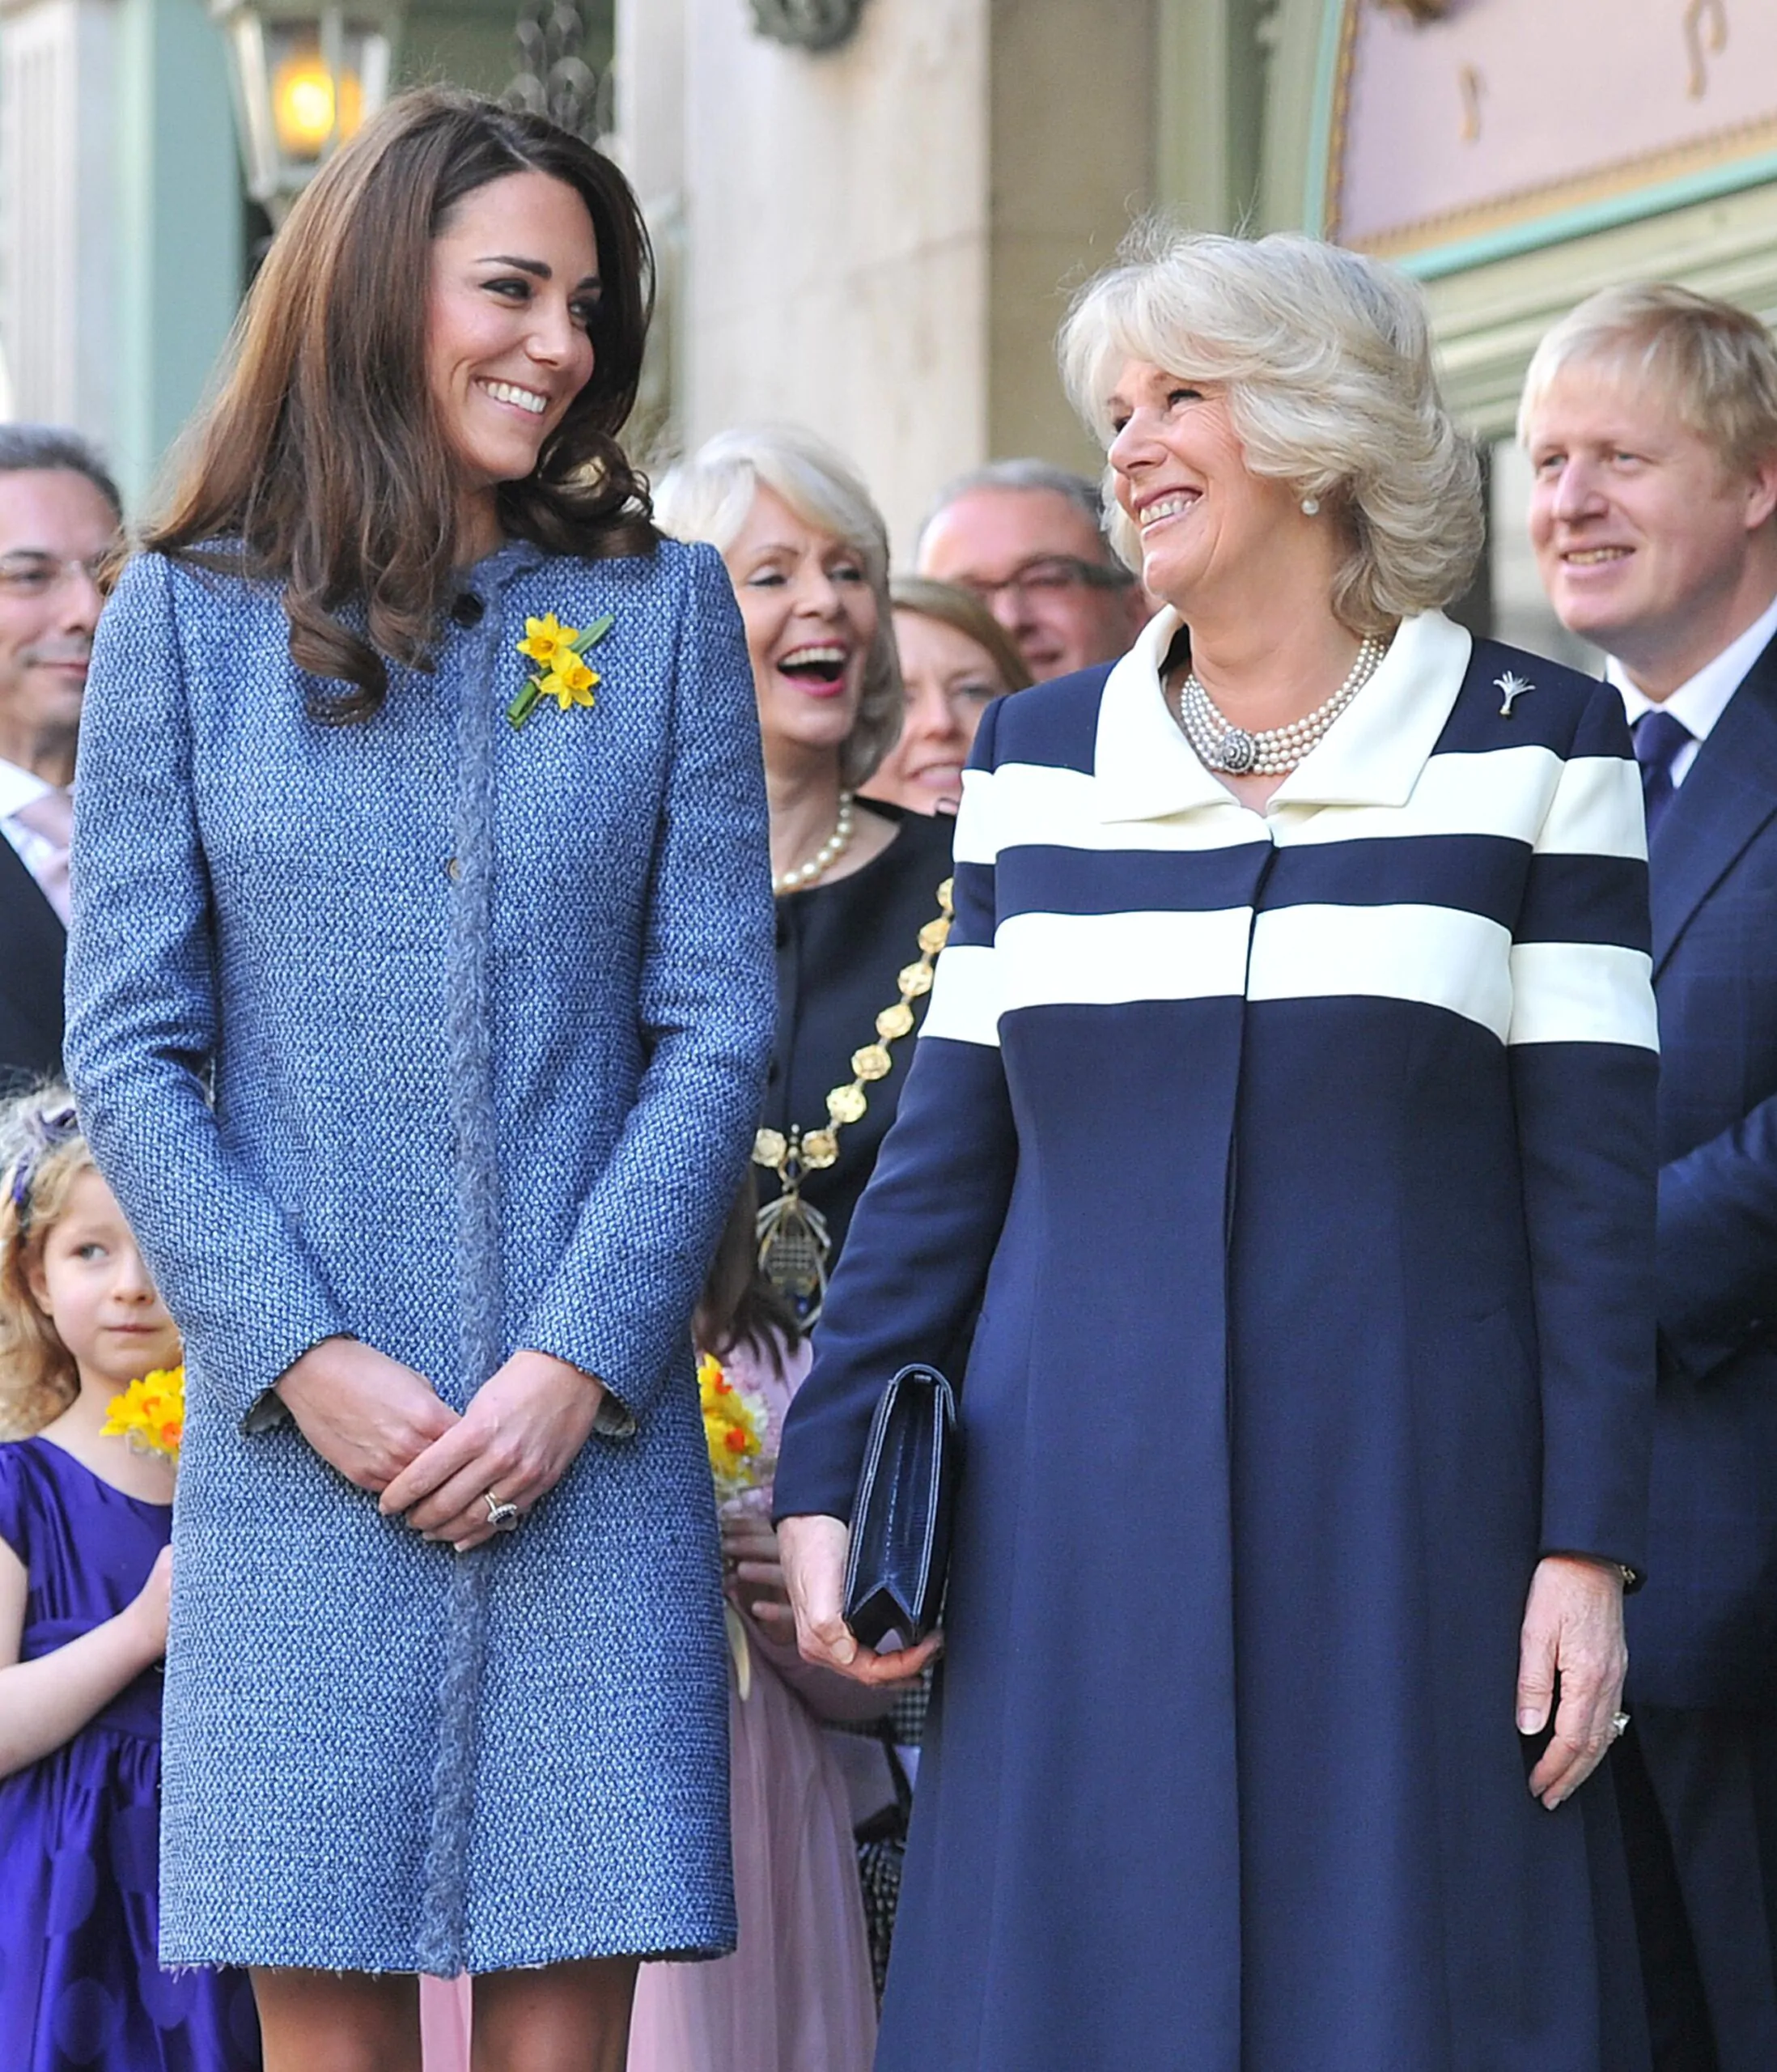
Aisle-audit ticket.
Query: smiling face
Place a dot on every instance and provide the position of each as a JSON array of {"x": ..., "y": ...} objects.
[
  {"x": 90, "y": 1281},
  {"x": 1647, "y": 544},
  {"x": 54, "y": 524},
  {"x": 950, "y": 681},
  {"x": 1212, "y": 533},
  {"x": 811, "y": 617},
  {"x": 513, "y": 287}
]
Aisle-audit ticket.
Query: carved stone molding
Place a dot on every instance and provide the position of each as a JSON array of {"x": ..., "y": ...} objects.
[{"x": 806, "y": 24}]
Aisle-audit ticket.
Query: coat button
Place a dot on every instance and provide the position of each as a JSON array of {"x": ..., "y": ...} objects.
[{"x": 453, "y": 870}]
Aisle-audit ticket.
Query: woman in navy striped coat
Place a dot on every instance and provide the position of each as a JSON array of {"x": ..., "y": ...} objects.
[{"x": 1286, "y": 1105}]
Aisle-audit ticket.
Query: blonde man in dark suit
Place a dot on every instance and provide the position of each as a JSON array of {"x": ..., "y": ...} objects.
[{"x": 1650, "y": 415}]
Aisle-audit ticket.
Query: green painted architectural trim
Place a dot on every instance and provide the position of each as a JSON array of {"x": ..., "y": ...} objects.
[
  {"x": 1564, "y": 225},
  {"x": 1320, "y": 142},
  {"x": 180, "y": 227}
]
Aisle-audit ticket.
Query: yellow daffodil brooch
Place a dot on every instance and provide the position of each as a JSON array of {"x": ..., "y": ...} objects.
[
  {"x": 149, "y": 1414},
  {"x": 561, "y": 672}
]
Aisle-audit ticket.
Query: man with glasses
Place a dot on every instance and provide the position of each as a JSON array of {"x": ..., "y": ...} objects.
[
  {"x": 59, "y": 517},
  {"x": 1028, "y": 538}
]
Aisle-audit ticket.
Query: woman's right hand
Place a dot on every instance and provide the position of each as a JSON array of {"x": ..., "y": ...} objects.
[
  {"x": 147, "y": 1609},
  {"x": 365, "y": 1414},
  {"x": 812, "y": 1550}
]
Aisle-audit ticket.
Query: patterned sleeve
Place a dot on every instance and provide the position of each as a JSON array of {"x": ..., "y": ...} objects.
[
  {"x": 1584, "y": 1060},
  {"x": 924, "y": 1233},
  {"x": 143, "y": 1020},
  {"x": 618, "y": 1303}
]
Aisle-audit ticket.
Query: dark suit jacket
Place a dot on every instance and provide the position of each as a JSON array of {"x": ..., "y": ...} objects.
[
  {"x": 33, "y": 943},
  {"x": 1703, "y": 1633}
]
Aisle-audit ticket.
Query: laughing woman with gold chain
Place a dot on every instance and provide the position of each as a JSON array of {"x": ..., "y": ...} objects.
[
  {"x": 863, "y": 905},
  {"x": 863, "y": 888}
]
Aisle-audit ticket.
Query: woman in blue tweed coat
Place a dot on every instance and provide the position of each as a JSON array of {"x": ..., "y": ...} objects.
[
  {"x": 1286, "y": 1101},
  {"x": 480, "y": 977}
]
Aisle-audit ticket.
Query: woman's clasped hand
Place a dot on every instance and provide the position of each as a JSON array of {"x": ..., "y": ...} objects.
[{"x": 385, "y": 1429}]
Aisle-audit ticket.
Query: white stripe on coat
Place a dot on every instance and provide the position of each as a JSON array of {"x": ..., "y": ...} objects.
[
  {"x": 1105, "y": 960},
  {"x": 1588, "y": 806},
  {"x": 1440, "y": 956},
  {"x": 1437, "y": 955},
  {"x": 964, "y": 1004},
  {"x": 1583, "y": 992}
]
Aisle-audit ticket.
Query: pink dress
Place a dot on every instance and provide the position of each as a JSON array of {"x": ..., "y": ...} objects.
[{"x": 796, "y": 1994}]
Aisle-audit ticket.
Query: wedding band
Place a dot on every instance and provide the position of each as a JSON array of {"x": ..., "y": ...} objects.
[
  {"x": 1618, "y": 1722},
  {"x": 502, "y": 1517}
]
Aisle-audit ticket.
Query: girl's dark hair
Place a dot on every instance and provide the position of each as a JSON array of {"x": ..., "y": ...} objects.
[
  {"x": 739, "y": 1307},
  {"x": 323, "y": 455}
]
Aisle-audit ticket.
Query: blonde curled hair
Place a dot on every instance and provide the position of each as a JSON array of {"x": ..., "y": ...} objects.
[
  {"x": 42, "y": 1154},
  {"x": 1325, "y": 359},
  {"x": 710, "y": 497}
]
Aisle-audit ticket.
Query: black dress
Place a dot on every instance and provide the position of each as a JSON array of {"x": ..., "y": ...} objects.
[{"x": 841, "y": 948}]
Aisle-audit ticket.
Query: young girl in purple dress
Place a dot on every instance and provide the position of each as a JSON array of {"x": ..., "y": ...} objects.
[{"x": 85, "y": 1522}]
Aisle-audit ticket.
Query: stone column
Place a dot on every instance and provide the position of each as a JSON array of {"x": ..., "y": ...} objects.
[
  {"x": 880, "y": 241},
  {"x": 58, "y": 250}
]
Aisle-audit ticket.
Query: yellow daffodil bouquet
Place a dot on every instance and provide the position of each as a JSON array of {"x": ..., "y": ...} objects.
[
  {"x": 735, "y": 1428},
  {"x": 149, "y": 1414},
  {"x": 562, "y": 672}
]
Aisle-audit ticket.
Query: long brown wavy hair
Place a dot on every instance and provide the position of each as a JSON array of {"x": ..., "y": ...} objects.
[{"x": 322, "y": 454}]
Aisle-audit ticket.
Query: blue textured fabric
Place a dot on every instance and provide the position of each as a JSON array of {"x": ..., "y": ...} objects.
[
  {"x": 1301, "y": 1165},
  {"x": 486, "y": 1012}
]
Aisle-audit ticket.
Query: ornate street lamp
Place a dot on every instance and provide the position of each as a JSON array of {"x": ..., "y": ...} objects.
[{"x": 304, "y": 78}]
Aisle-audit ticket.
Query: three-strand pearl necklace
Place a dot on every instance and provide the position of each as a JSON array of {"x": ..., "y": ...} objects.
[
  {"x": 1221, "y": 745},
  {"x": 826, "y": 855}
]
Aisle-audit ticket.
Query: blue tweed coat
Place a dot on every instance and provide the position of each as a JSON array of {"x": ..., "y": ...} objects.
[{"x": 486, "y": 1013}]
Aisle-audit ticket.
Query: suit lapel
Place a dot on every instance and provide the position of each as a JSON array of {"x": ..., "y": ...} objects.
[{"x": 1727, "y": 796}]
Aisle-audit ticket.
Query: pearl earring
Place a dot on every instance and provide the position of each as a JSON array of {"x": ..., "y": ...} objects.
[{"x": 1310, "y": 506}]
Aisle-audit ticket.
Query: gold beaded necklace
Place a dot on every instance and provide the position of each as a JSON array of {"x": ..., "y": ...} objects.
[{"x": 794, "y": 1241}]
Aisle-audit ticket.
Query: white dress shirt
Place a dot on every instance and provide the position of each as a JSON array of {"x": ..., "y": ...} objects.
[
  {"x": 1698, "y": 703},
  {"x": 19, "y": 789}
]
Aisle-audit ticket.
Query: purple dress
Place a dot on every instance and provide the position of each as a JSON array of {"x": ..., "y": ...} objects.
[{"x": 79, "y": 1907}]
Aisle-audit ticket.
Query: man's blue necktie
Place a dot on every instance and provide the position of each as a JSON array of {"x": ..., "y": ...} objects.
[{"x": 1658, "y": 738}]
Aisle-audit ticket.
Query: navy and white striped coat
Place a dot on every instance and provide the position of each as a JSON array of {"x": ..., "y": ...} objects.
[{"x": 1302, "y": 1164}]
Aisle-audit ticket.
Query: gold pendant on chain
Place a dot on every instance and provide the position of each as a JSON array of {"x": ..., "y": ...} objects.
[{"x": 794, "y": 1248}]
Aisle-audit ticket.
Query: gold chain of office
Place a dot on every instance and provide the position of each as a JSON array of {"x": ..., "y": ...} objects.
[{"x": 793, "y": 1242}]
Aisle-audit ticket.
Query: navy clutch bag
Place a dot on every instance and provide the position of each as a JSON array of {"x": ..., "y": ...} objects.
[{"x": 900, "y": 1556}]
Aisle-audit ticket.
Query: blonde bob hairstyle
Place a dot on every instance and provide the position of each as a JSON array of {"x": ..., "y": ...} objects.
[
  {"x": 1713, "y": 362},
  {"x": 1325, "y": 359},
  {"x": 711, "y": 496},
  {"x": 41, "y": 1157}
]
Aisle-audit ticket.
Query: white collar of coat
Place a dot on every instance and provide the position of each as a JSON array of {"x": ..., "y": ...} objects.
[{"x": 1371, "y": 756}]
